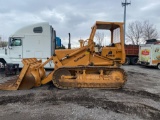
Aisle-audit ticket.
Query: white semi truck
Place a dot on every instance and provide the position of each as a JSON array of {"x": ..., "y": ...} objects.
[
  {"x": 37, "y": 40},
  {"x": 149, "y": 55}
]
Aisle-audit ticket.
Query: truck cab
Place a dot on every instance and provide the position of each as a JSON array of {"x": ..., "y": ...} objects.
[{"x": 37, "y": 40}]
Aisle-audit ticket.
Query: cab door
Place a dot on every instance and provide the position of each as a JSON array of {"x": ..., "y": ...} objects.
[{"x": 16, "y": 48}]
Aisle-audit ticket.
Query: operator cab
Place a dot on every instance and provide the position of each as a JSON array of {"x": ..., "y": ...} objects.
[{"x": 109, "y": 39}]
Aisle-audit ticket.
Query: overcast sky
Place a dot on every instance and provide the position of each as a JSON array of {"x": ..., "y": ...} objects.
[{"x": 74, "y": 16}]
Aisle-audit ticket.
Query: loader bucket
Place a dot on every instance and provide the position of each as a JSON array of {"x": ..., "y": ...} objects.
[{"x": 30, "y": 76}]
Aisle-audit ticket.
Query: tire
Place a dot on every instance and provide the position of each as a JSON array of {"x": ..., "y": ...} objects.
[
  {"x": 2, "y": 61},
  {"x": 128, "y": 61},
  {"x": 2, "y": 65},
  {"x": 158, "y": 66},
  {"x": 134, "y": 60}
]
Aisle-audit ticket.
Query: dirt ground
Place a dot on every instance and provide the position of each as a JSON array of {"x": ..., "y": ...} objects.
[{"x": 138, "y": 100}]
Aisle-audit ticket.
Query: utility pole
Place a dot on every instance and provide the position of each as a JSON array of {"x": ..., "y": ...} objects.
[{"x": 124, "y": 5}]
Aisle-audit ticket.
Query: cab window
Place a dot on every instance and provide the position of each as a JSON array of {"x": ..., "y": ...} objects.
[{"x": 16, "y": 42}]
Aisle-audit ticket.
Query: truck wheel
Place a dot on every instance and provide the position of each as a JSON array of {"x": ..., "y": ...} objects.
[
  {"x": 2, "y": 65},
  {"x": 158, "y": 66},
  {"x": 128, "y": 61},
  {"x": 2, "y": 62},
  {"x": 134, "y": 60}
]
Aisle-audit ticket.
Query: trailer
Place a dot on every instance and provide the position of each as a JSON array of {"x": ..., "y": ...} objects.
[{"x": 149, "y": 55}]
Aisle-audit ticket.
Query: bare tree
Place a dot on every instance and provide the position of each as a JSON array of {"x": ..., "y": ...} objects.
[
  {"x": 134, "y": 32},
  {"x": 138, "y": 32},
  {"x": 149, "y": 31},
  {"x": 100, "y": 37},
  {"x": 3, "y": 43}
]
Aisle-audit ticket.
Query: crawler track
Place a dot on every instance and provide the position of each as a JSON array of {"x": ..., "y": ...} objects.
[{"x": 89, "y": 77}]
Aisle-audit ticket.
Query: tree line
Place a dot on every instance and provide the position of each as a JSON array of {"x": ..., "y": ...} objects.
[{"x": 3, "y": 43}]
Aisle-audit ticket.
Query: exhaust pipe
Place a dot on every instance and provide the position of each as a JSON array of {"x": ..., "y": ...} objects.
[{"x": 69, "y": 44}]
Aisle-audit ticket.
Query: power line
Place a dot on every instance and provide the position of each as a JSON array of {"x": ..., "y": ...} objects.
[{"x": 124, "y": 4}]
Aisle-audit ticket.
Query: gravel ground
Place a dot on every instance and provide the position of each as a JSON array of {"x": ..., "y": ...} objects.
[{"x": 138, "y": 100}]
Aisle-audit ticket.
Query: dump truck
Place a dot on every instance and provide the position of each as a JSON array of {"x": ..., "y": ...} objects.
[
  {"x": 34, "y": 40},
  {"x": 132, "y": 52},
  {"x": 149, "y": 54},
  {"x": 81, "y": 67}
]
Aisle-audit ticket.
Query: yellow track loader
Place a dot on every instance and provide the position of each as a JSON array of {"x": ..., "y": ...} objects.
[{"x": 83, "y": 67}]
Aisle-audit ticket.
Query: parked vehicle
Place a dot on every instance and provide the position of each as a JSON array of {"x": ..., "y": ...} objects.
[
  {"x": 35, "y": 40},
  {"x": 149, "y": 55},
  {"x": 132, "y": 52}
]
